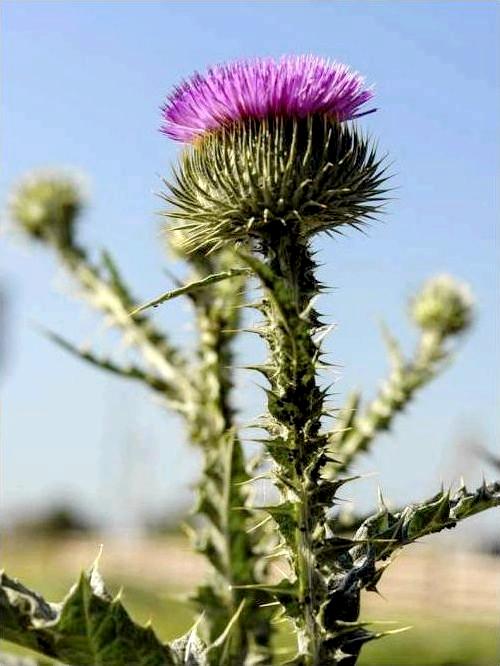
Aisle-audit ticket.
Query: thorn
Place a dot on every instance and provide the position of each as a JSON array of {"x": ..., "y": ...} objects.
[
  {"x": 381, "y": 504},
  {"x": 391, "y": 632},
  {"x": 219, "y": 641},
  {"x": 378, "y": 593},
  {"x": 324, "y": 333},
  {"x": 252, "y": 479},
  {"x": 256, "y": 527},
  {"x": 95, "y": 563}
]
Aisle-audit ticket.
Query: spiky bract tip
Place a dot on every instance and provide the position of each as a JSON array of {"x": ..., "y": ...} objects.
[
  {"x": 444, "y": 305},
  {"x": 256, "y": 179},
  {"x": 45, "y": 205}
]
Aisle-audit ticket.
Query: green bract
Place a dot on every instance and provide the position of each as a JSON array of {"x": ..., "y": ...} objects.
[
  {"x": 443, "y": 305},
  {"x": 45, "y": 205},
  {"x": 252, "y": 179}
]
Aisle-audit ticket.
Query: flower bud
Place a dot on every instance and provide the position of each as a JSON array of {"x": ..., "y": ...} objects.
[
  {"x": 262, "y": 178},
  {"x": 443, "y": 305},
  {"x": 45, "y": 205}
]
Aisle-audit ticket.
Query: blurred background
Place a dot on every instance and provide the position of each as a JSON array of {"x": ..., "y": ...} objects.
[{"x": 87, "y": 458}]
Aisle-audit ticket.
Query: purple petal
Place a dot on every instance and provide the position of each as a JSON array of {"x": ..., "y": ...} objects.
[{"x": 293, "y": 86}]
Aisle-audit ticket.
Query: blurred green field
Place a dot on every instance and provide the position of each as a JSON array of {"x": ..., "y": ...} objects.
[{"x": 430, "y": 641}]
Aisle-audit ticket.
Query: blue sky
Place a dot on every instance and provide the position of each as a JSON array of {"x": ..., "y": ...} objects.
[{"x": 83, "y": 82}]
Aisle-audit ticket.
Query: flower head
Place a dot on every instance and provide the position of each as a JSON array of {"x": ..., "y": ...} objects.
[
  {"x": 443, "y": 305},
  {"x": 293, "y": 86},
  {"x": 45, "y": 205}
]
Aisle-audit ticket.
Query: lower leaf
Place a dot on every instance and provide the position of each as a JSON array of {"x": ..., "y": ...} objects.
[{"x": 89, "y": 628}]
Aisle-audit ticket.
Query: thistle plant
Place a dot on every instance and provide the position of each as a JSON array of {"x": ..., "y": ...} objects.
[{"x": 272, "y": 159}]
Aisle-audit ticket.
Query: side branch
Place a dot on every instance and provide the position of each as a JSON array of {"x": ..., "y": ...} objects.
[
  {"x": 356, "y": 432},
  {"x": 190, "y": 288},
  {"x": 385, "y": 532},
  {"x": 111, "y": 297},
  {"x": 127, "y": 371}
]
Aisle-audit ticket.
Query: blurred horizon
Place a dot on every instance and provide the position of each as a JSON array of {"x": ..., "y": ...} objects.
[{"x": 82, "y": 88}]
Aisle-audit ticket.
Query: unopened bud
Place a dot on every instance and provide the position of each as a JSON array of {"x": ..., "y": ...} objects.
[
  {"x": 45, "y": 204},
  {"x": 444, "y": 305}
]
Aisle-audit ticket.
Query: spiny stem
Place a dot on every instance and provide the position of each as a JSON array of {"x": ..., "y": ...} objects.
[{"x": 296, "y": 408}]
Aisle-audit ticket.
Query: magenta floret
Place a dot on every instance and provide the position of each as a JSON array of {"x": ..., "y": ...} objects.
[{"x": 293, "y": 86}]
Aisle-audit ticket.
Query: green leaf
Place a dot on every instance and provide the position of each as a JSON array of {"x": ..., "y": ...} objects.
[
  {"x": 386, "y": 532},
  {"x": 115, "y": 278},
  {"x": 428, "y": 516},
  {"x": 285, "y": 515},
  {"x": 89, "y": 628},
  {"x": 189, "y": 288},
  {"x": 130, "y": 371}
]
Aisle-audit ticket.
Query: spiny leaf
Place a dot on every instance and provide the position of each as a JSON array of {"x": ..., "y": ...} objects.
[
  {"x": 189, "y": 288},
  {"x": 151, "y": 343},
  {"x": 351, "y": 643},
  {"x": 115, "y": 278},
  {"x": 386, "y": 532},
  {"x": 285, "y": 516},
  {"x": 89, "y": 628},
  {"x": 428, "y": 516},
  {"x": 275, "y": 287},
  {"x": 406, "y": 377},
  {"x": 130, "y": 371},
  {"x": 330, "y": 549}
]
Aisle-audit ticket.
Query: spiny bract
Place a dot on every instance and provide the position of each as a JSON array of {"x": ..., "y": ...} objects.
[{"x": 255, "y": 178}]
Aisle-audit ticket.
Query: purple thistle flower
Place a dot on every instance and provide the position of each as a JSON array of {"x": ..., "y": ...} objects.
[{"x": 293, "y": 86}]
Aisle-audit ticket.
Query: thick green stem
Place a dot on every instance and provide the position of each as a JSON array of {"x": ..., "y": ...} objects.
[{"x": 296, "y": 408}]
